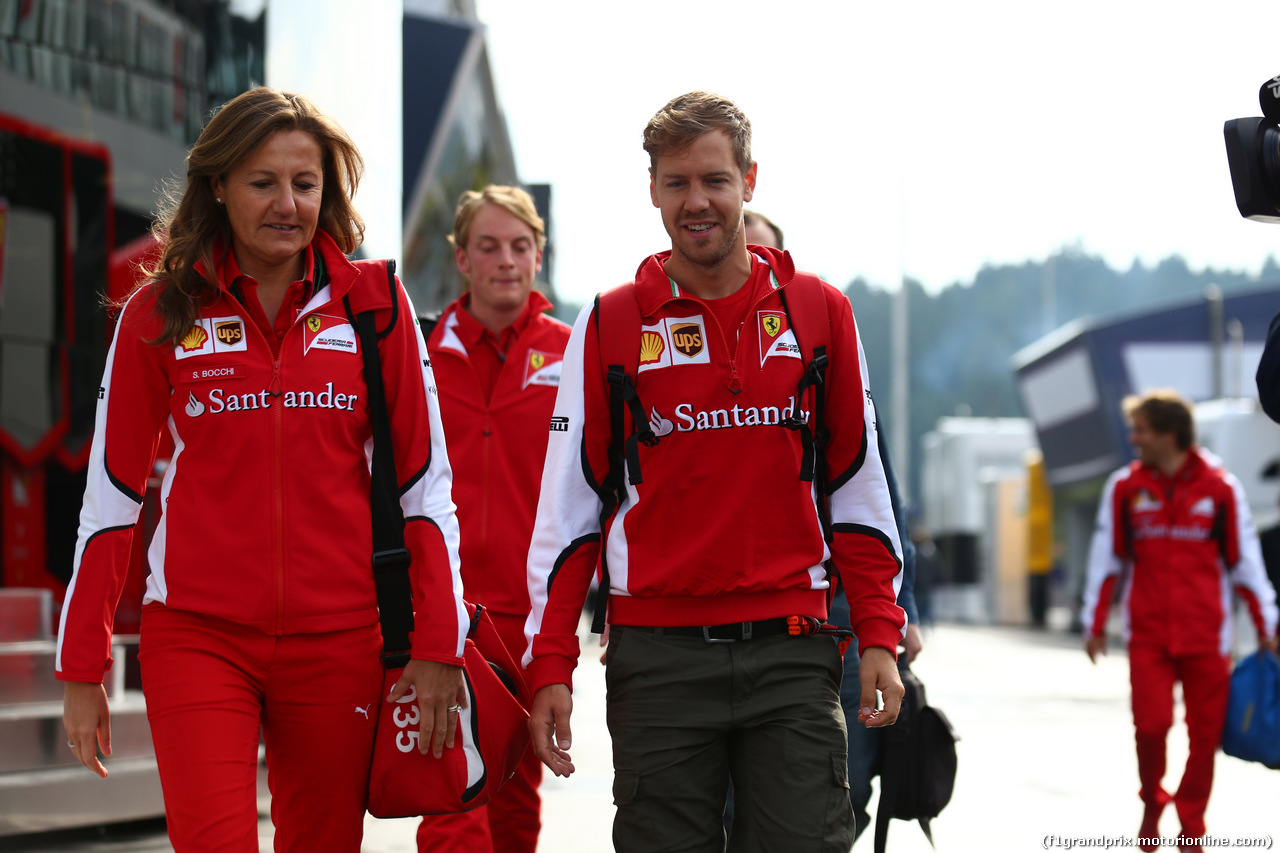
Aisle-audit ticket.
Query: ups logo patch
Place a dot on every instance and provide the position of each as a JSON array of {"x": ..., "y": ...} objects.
[
  {"x": 687, "y": 338},
  {"x": 230, "y": 333}
]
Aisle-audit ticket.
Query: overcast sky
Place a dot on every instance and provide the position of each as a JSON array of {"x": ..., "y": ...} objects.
[{"x": 929, "y": 138}]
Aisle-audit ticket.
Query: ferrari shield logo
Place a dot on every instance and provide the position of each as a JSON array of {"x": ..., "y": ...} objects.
[
  {"x": 313, "y": 323},
  {"x": 772, "y": 325},
  {"x": 536, "y": 360}
]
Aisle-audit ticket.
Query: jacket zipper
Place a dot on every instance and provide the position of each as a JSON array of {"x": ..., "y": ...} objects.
[
  {"x": 735, "y": 379},
  {"x": 277, "y": 469}
]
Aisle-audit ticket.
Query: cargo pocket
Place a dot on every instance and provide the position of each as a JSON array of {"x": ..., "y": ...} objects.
[
  {"x": 838, "y": 827},
  {"x": 626, "y": 784},
  {"x": 840, "y": 770}
]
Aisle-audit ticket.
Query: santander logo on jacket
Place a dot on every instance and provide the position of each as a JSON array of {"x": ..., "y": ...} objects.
[{"x": 265, "y": 517}]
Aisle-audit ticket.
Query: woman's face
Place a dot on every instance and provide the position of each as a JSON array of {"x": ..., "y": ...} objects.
[{"x": 272, "y": 199}]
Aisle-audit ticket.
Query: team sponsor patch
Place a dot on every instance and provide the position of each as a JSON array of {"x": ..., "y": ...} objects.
[
  {"x": 1144, "y": 501},
  {"x": 559, "y": 424},
  {"x": 208, "y": 373},
  {"x": 673, "y": 342},
  {"x": 212, "y": 335},
  {"x": 326, "y": 331},
  {"x": 660, "y": 425},
  {"x": 542, "y": 368},
  {"x": 1204, "y": 507},
  {"x": 776, "y": 336}
]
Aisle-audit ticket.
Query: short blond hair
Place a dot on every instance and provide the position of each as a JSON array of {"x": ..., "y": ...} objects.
[
  {"x": 675, "y": 127},
  {"x": 513, "y": 200},
  {"x": 1166, "y": 411}
]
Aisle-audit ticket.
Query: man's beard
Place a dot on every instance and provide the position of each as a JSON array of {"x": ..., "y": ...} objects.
[{"x": 709, "y": 256}]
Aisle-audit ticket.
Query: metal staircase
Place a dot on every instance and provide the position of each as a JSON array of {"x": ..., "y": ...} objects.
[{"x": 42, "y": 786}]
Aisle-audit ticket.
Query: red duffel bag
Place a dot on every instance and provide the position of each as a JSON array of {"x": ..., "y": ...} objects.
[{"x": 492, "y": 735}]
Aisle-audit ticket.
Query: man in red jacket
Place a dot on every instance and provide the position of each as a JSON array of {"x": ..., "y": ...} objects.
[
  {"x": 713, "y": 562},
  {"x": 1181, "y": 526},
  {"x": 497, "y": 358}
]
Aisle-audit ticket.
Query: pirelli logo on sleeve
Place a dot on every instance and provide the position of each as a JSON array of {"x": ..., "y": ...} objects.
[{"x": 673, "y": 342}]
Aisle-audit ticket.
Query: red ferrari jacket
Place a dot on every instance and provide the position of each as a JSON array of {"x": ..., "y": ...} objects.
[
  {"x": 721, "y": 529},
  {"x": 497, "y": 447},
  {"x": 1186, "y": 541},
  {"x": 265, "y": 503}
]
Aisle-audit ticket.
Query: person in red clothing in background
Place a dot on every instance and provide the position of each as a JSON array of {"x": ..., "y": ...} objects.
[
  {"x": 496, "y": 356},
  {"x": 1180, "y": 525}
]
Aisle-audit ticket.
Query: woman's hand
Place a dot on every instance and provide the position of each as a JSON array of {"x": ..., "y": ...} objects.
[
  {"x": 441, "y": 694},
  {"x": 88, "y": 723}
]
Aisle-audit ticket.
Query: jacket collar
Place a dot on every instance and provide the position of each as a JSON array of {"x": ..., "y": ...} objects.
[
  {"x": 654, "y": 288},
  {"x": 342, "y": 274}
]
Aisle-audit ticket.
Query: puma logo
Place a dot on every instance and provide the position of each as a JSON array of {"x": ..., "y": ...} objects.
[{"x": 364, "y": 710}]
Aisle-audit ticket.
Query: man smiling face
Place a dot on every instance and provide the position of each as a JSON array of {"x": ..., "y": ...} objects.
[{"x": 700, "y": 190}]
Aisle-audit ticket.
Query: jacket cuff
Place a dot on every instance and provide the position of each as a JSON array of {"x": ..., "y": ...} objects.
[
  {"x": 551, "y": 669},
  {"x": 878, "y": 633},
  {"x": 434, "y": 658}
]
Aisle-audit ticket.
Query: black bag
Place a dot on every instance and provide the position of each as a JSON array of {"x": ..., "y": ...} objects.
[{"x": 917, "y": 763}]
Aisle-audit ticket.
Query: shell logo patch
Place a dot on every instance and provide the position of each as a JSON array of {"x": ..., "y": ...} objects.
[
  {"x": 195, "y": 339},
  {"x": 542, "y": 368},
  {"x": 651, "y": 347},
  {"x": 211, "y": 335},
  {"x": 1144, "y": 501},
  {"x": 673, "y": 342}
]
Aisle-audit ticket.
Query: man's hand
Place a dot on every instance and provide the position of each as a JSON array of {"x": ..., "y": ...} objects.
[
  {"x": 913, "y": 642},
  {"x": 877, "y": 670},
  {"x": 549, "y": 726},
  {"x": 438, "y": 687},
  {"x": 88, "y": 723},
  {"x": 1095, "y": 646}
]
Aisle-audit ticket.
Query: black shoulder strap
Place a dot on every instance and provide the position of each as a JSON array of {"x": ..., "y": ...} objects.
[
  {"x": 390, "y": 557},
  {"x": 617, "y": 317},
  {"x": 805, "y": 305}
]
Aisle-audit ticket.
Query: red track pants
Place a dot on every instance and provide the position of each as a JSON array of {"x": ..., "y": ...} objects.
[
  {"x": 511, "y": 821},
  {"x": 211, "y": 687},
  {"x": 1205, "y": 680}
]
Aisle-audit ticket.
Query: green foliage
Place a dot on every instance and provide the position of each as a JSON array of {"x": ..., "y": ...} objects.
[{"x": 961, "y": 338}]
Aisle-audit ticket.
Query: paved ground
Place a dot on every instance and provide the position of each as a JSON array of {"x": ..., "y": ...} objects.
[{"x": 1046, "y": 758}]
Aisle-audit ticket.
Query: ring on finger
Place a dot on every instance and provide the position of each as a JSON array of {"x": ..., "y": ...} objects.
[{"x": 455, "y": 709}]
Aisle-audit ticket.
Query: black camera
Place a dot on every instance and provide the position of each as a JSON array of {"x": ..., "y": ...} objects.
[{"x": 1253, "y": 153}]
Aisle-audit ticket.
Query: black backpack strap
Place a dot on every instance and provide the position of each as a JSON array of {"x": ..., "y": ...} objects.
[
  {"x": 390, "y": 559},
  {"x": 807, "y": 314},
  {"x": 617, "y": 316}
]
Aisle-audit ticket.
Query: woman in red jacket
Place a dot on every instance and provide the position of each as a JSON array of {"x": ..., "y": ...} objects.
[{"x": 260, "y": 612}]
